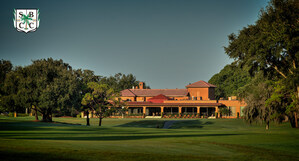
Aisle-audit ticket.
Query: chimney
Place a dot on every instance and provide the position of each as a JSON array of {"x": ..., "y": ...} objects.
[{"x": 141, "y": 84}]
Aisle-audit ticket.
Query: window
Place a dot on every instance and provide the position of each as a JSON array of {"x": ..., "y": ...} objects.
[
  {"x": 233, "y": 110},
  {"x": 241, "y": 111}
]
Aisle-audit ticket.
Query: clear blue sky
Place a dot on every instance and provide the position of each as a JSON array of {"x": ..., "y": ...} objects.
[{"x": 166, "y": 43}]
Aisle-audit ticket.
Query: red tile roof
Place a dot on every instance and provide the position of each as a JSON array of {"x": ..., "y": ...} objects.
[
  {"x": 127, "y": 93},
  {"x": 171, "y": 104},
  {"x": 200, "y": 84},
  {"x": 160, "y": 96},
  {"x": 153, "y": 92},
  {"x": 158, "y": 99}
]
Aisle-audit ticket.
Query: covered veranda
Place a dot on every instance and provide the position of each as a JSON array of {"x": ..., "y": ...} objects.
[{"x": 159, "y": 109}]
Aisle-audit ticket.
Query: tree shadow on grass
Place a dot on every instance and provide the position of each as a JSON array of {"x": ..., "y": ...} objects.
[
  {"x": 45, "y": 131},
  {"x": 64, "y": 123},
  {"x": 190, "y": 124},
  {"x": 176, "y": 124},
  {"x": 29, "y": 156},
  {"x": 122, "y": 137},
  {"x": 144, "y": 124},
  {"x": 40, "y": 126},
  {"x": 26, "y": 128}
]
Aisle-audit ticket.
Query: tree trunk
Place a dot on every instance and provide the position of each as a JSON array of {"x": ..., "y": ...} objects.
[
  {"x": 267, "y": 125},
  {"x": 36, "y": 116},
  {"x": 87, "y": 119},
  {"x": 100, "y": 121},
  {"x": 292, "y": 120},
  {"x": 47, "y": 117},
  {"x": 296, "y": 119}
]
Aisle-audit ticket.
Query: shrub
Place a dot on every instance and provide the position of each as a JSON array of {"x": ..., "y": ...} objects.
[
  {"x": 10, "y": 114},
  {"x": 22, "y": 115},
  {"x": 136, "y": 114}
]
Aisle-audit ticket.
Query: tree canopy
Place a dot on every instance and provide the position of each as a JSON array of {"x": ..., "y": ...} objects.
[
  {"x": 121, "y": 81},
  {"x": 99, "y": 100},
  {"x": 229, "y": 80},
  {"x": 49, "y": 86},
  {"x": 271, "y": 46}
]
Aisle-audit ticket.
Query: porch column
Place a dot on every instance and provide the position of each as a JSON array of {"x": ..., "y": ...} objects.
[
  {"x": 216, "y": 111},
  {"x": 207, "y": 111},
  {"x": 127, "y": 112},
  {"x": 162, "y": 110},
  {"x": 198, "y": 110},
  {"x": 144, "y": 111},
  {"x": 82, "y": 114},
  {"x": 180, "y": 110},
  {"x": 90, "y": 114}
]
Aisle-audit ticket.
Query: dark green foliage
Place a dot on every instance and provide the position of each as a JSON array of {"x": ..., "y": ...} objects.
[
  {"x": 121, "y": 81},
  {"x": 271, "y": 46},
  {"x": 285, "y": 98},
  {"x": 225, "y": 111},
  {"x": 54, "y": 86},
  {"x": 99, "y": 100},
  {"x": 47, "y": 85},
  {"x": 257, "y": 93},
  {"x": 229, "y": 80},
  {"x": 11, "y": 99},
  {"x": 5, "y": 67},
  {"x": 50, "y": 86}
]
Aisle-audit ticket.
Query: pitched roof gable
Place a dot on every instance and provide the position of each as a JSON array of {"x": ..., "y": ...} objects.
[
  {"x": 153, "y": 92},
  {"x": 200, "y": 84},
  {"x": 160, "y": 96}
]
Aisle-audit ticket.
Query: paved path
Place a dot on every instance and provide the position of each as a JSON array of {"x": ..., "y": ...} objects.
[{"x": 168, "y": 124}]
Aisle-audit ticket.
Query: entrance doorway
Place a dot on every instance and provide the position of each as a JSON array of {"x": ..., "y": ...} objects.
[
  {"x": 207, "y": 111},
  {"x": 153, "y": 111},
  {"x": 189, "y": 110},
  {"x": 171, "y": 110}
]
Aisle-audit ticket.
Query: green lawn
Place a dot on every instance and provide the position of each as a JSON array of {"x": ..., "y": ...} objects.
[{"x": 140, "y": 139}]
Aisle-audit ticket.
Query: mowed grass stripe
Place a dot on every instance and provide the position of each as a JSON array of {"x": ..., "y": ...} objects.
[{"x": 128, "y": 139}]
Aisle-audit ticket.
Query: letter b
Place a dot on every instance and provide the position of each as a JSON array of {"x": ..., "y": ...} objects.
[{"x": 30, "y": 14}]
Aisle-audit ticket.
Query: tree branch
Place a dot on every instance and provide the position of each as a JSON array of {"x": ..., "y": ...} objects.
[
  {"x": 276, "y": 68},
  {"x": 291, "y": 71}
]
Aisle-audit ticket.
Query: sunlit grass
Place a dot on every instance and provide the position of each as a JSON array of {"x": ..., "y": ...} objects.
[{"x": 140, "y": 139}]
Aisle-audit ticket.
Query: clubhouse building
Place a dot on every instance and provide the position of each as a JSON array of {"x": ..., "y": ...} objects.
[{"x": 197, "y": 100}]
